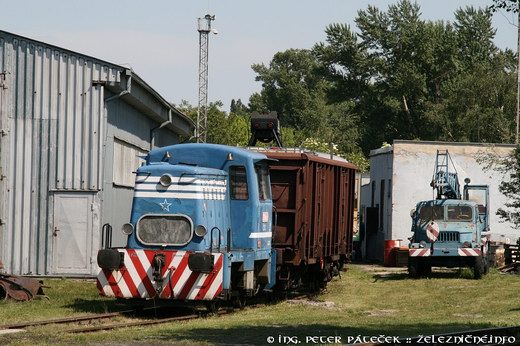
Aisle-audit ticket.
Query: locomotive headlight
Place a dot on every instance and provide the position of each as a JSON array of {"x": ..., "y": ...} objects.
[
  {"x": 201, "y": 231},
  {"x": 466, "y": 244},
  {"x": 127, "y": 228},
  {"x": 165, "y": 180},
  {"x": 422, "y": 244}
]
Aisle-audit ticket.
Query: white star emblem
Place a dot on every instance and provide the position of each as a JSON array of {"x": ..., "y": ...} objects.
[{"x": 165, "y": 205}]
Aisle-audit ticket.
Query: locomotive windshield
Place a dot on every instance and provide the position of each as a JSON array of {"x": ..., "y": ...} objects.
[
  {"x": 264, "y": 187},
  {"x": 164, "y": 229}
]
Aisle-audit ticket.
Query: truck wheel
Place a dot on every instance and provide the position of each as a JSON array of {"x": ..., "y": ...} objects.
[
  {"x": 413, "y": 268},
  {"x": 479, "y": 269},
  {"x": 425, "y": 270}
]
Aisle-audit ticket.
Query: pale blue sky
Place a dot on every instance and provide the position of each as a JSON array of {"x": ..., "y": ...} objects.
[{"x": 159, "y": 39}]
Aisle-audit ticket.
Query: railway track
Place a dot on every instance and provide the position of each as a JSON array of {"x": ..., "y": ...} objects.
[
  {"x": 105, "y": 326},
  {"x": 110, "y": 326},
  {"x": 22, "y": 325}
]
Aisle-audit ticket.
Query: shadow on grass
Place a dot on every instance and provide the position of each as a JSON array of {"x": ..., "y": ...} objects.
[
  {"x": 148, "y": 310},
  {"x": 98, "y": 306},
  {"x": 281, "y": 334},
  {"x": 459, "y": 274}
]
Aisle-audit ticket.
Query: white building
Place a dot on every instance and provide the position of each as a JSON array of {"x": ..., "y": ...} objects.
[{"x": 400, "y": 176}]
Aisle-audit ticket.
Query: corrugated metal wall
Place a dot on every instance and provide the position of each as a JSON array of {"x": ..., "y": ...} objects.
[
  {"x": 125, "y": 124},
  {"x": 53, "y": 119}
]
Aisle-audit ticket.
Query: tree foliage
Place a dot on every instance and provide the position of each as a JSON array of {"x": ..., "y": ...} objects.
[
  {"x": 509, "y": 168},
  {"x": 230, "y": 129},
  {"x": 395, "y": 76},
  {"x": 507, "y": 5},
  {"x": 511, "y": 189}
]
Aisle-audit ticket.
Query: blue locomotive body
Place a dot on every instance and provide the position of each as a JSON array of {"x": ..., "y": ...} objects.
[{"x": 200, "y": 229}]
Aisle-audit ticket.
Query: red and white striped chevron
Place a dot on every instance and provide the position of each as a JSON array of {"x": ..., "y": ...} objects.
[
  {"x": 135, "y": 278},
  {"x": 469, "y": 252},
  {"x": 419, "y": 252}
]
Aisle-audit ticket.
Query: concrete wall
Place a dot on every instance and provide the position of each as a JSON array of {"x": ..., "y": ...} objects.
[
  {"x": 379, "y": 196},
  {"x": 413, "y": 164}
]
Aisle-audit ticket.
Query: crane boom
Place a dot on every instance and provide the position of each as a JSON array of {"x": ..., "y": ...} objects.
[{"x": 445, "y": 178}]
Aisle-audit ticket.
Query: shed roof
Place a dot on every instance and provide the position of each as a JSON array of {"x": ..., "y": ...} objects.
[{"x": 128, "y": 85}]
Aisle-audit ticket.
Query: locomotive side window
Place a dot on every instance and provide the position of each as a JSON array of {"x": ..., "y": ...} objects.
[
  {"x": 238, "y": 180},
  {"x": 164, "y": 229},
  {"x": 264, "y": 187}
]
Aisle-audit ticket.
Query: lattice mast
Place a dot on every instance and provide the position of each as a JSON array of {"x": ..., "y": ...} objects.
[{"x": 204, "y": 28}]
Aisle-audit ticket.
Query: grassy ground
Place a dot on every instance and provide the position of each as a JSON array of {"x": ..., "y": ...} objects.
[{"x": 362, "y": 302}]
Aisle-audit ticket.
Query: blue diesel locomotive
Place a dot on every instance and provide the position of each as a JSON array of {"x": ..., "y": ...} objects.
[{"x": 201, "y": 229}]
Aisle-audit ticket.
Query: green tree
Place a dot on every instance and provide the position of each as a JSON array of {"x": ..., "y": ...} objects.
[
  {"x": 237, "y": 107},
  {"x": 230, "y": 129},
  {"x": 291, "y": 87},
  {"x": 416, "y": 79},
  {"x": 508, "y": 166},
  {"x": 508, "y": 5}
]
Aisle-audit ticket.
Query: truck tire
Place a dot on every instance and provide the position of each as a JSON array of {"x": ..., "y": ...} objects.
[
  {"x": 425, "y": 270},
  {"x": 479, "y": 268},
  {"x": 413, "y": 268}
]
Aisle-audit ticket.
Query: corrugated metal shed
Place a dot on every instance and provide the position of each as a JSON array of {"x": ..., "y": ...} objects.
[{"x": 53, "y": 134}]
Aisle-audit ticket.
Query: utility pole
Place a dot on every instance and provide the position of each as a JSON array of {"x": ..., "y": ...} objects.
[
  {"x": 202, "y": 110},
  {"x": 518, "y": 73}
]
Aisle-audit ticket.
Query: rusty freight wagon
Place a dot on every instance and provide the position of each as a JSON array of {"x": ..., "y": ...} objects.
[{"x": 313, "y": 207}]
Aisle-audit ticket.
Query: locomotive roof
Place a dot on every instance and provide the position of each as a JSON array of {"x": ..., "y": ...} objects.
[
  {"x": 164, "y": 167},
  {"x": 202, "y": 154}
]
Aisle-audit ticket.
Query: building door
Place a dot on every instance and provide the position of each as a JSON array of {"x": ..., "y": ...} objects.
[
  {"x": 72, "y": 233},
  {"x": 371, "y": 233}
]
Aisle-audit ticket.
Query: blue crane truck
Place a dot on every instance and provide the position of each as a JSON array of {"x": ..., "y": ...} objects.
[{"x": 452, "y": 229}]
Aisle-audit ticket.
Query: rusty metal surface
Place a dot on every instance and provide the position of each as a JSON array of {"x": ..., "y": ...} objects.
[
  {"x": 19, "y": 288},
  {"x": 314, "y": 201}
]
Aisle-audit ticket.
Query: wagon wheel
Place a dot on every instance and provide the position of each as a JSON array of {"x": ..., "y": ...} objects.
[
  {"x": 239, "y": 302},
  {"x": 213, "y": 306}
]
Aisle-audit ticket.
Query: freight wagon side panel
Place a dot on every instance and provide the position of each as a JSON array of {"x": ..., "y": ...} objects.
[
  {"x": 287, "y": 188},
  {"x": 314, "y": 207}
]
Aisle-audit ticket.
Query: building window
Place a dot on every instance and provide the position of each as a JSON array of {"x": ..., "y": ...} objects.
[
  {"x": 238, "y": 180},
  {"x": 127, "y": 158}
]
